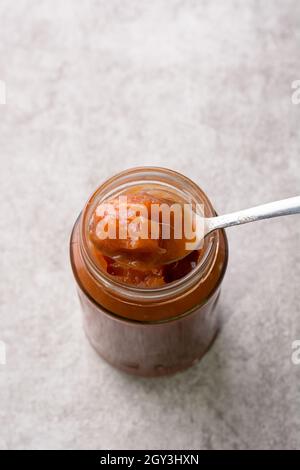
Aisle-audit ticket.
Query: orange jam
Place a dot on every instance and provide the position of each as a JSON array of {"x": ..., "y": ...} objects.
[
  {"x": 135, "y": 257},
  {"x": 149, "y": 304}
]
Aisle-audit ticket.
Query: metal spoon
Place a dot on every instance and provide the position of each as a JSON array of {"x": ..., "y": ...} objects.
[
  {"x": 266, "y": 211},
  {"x": 178, "y": 249}
]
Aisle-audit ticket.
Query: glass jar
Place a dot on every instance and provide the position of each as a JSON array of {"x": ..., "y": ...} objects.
[{"x": 149, "y": 331}]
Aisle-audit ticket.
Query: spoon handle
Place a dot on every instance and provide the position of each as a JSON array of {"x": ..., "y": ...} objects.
[{"x": 266, "y": 211}]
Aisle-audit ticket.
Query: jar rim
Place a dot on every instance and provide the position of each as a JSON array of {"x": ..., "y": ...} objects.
[{"x": 119, "y": 182}]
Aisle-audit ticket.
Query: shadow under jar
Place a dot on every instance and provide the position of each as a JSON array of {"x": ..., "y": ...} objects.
[{"x": 158, "y": 330}]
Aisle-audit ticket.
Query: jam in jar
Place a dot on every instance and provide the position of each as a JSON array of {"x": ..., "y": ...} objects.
[{"x": 149, "y": 304}]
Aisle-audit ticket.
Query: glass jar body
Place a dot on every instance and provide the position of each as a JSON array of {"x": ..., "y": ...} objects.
[{"x": 151, "y": 336}]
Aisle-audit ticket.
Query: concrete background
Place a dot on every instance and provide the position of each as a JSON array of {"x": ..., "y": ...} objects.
[{"x": 94, "y": 87}]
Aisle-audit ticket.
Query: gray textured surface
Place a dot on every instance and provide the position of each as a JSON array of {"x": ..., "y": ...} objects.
[{"x": 94, "y": 87}]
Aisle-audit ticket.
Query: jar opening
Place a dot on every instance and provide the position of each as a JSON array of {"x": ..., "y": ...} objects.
[{"x": 163, "y": 178}]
